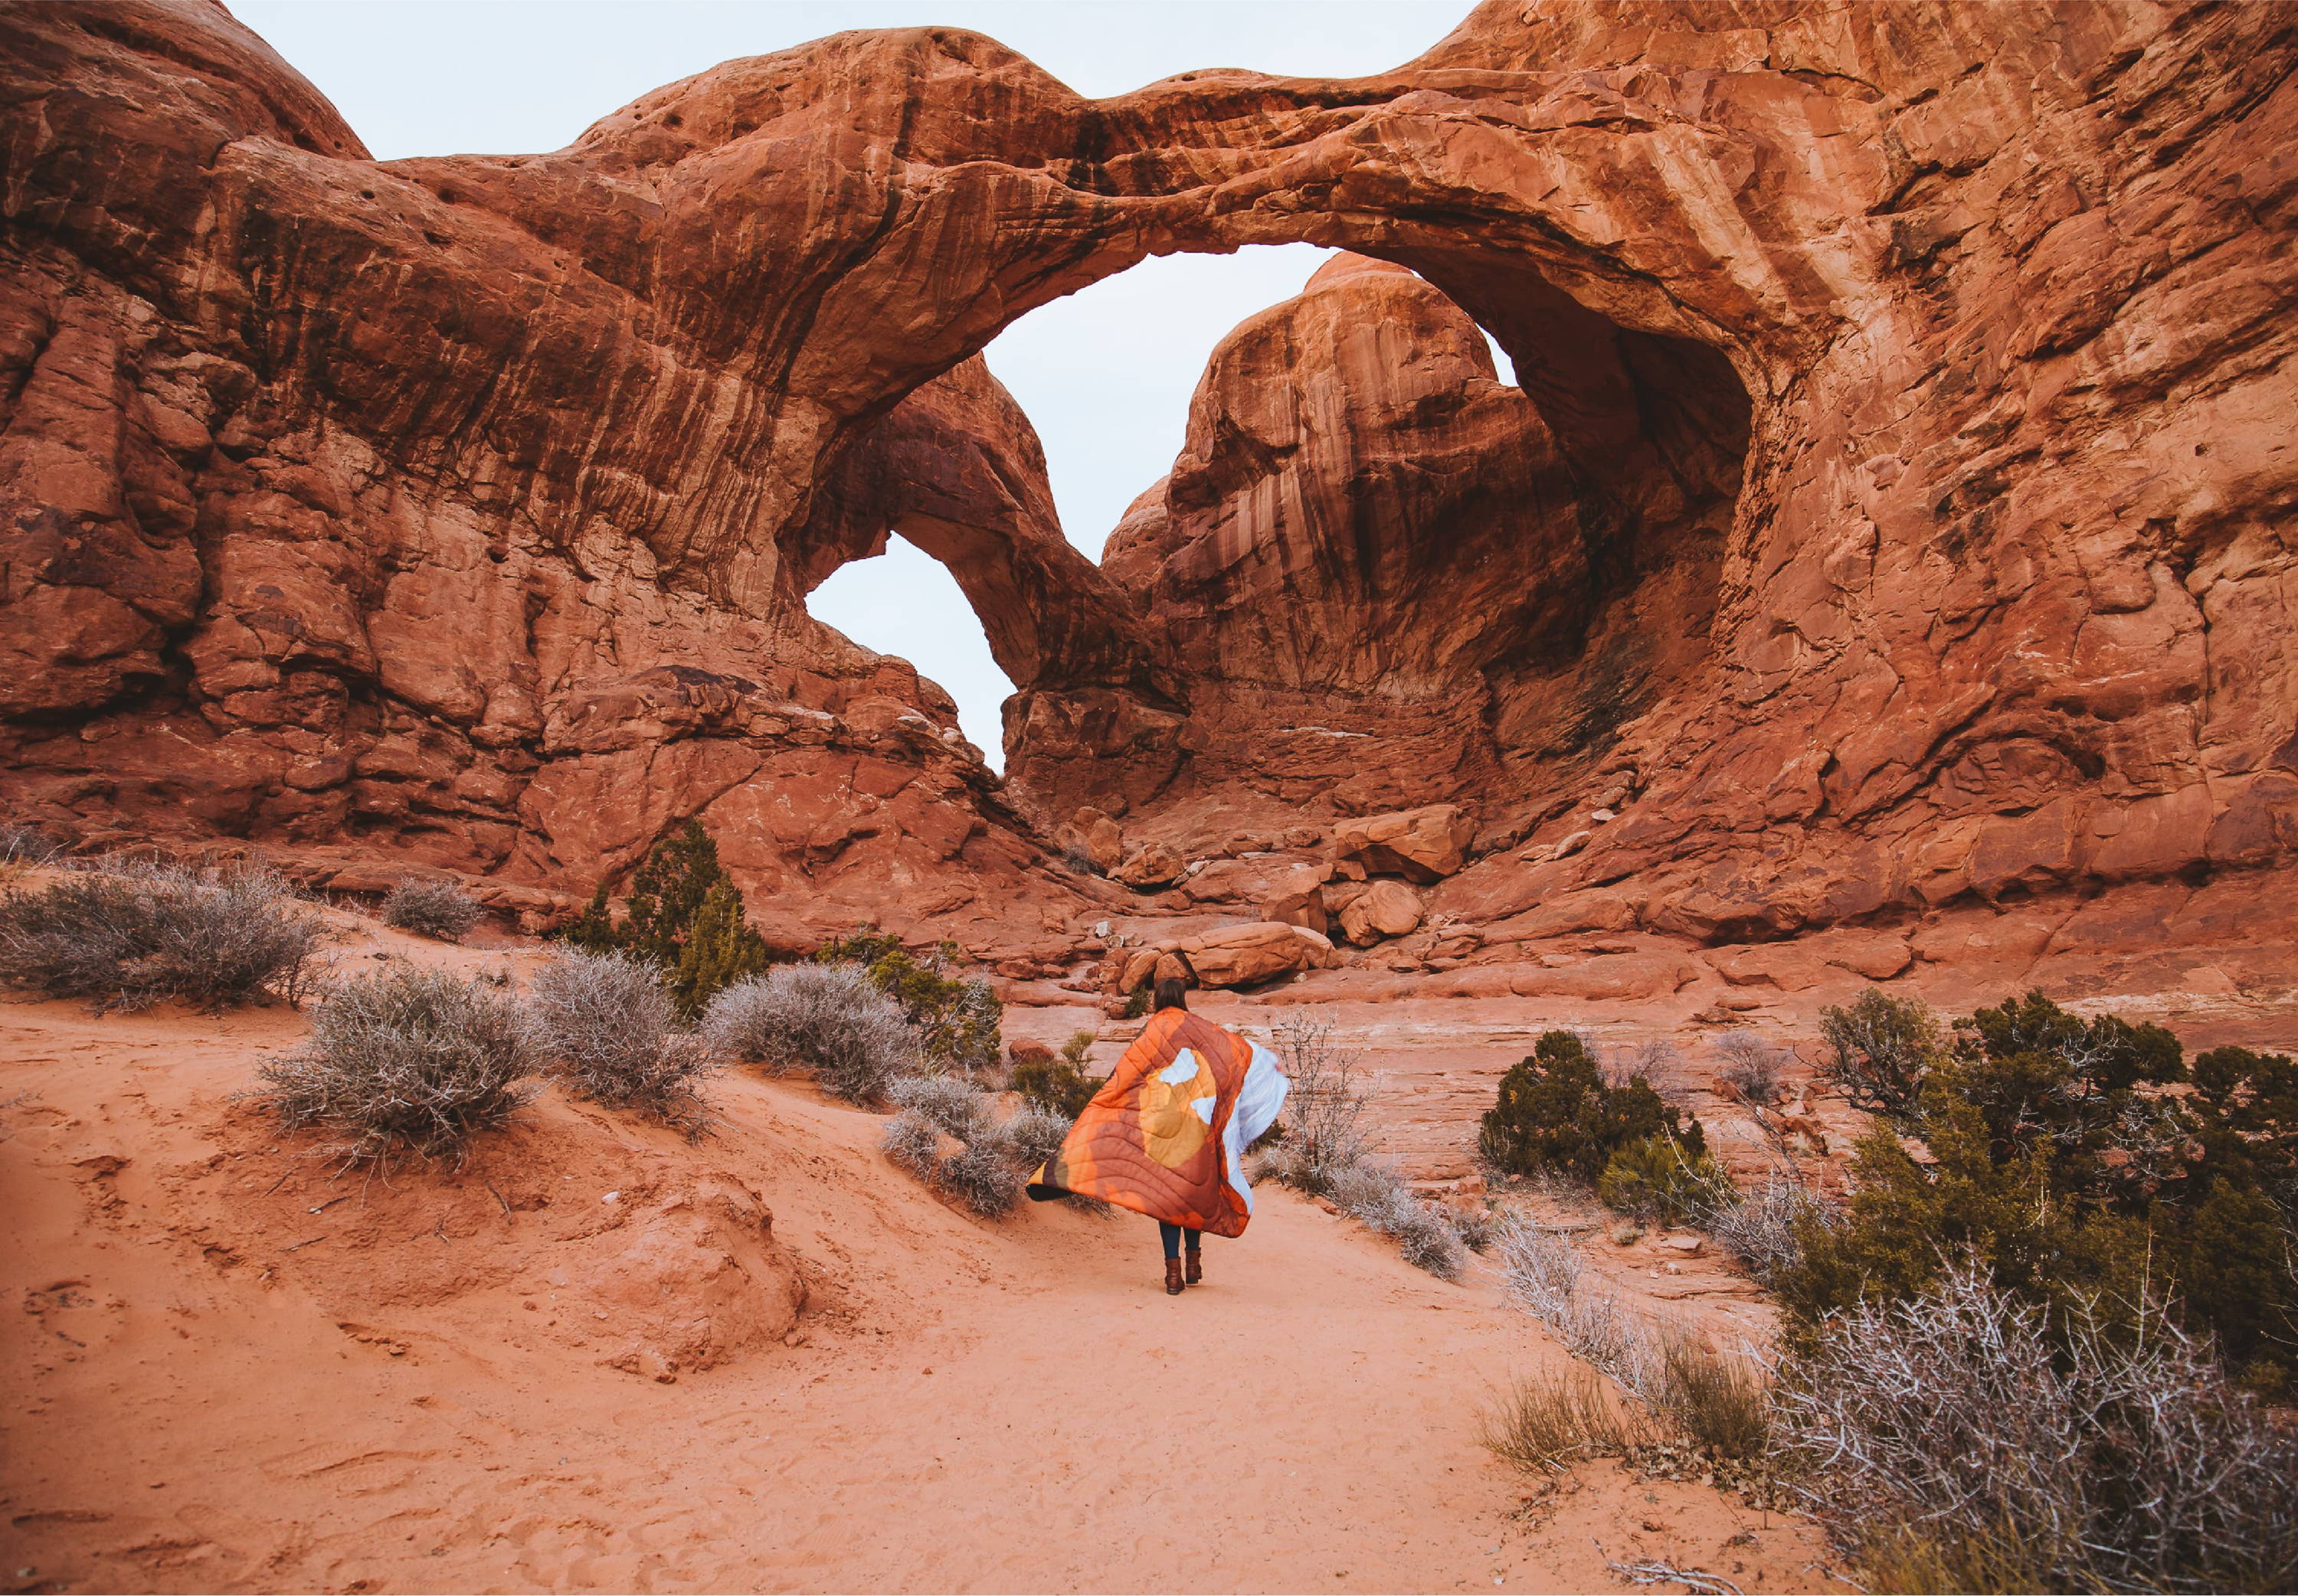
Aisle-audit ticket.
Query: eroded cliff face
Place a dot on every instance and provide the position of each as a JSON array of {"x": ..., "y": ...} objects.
[{"x": 1896, "y": 506}]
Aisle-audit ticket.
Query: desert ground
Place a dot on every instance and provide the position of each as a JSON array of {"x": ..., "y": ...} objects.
[{"x": 238, "y": 1368}]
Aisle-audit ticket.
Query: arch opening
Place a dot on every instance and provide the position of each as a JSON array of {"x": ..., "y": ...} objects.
[
  {"x": 904, "y": 602},
  {"x": 1374, "y": 572}
]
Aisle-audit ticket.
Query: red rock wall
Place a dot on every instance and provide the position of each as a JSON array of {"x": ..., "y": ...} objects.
[{"x": 461, "y": 510}]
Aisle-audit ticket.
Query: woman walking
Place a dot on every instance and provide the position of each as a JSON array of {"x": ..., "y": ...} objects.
[{"x": 1166, "y": 1135}]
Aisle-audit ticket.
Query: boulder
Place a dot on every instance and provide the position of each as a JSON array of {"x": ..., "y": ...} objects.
[
  {"x": 1297, "y": 898},
  {"x": 1786, "y": 965},
  {"x": 1275, "y": 888},
  {"x": 1140, "y": 965},
  {"x": 1241, "y": 956},
  {"x": 1386, "y": 908},
  {"x": 1422, "y": 845},
  {"x": 1098, "y": 838},
  {"x": 1150, "y": 865},
  {"x": 1878, "y": 958},
  {"x": 1023, "y": 1051}
]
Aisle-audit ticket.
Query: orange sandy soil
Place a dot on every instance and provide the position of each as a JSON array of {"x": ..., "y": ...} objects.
[{"x": 234, "y": 1369}]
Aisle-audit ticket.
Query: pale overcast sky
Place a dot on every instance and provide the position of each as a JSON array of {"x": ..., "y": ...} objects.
[{"x": 1104, "y": 375}]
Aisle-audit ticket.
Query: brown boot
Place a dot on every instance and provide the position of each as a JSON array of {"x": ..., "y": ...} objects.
[
  {"x": 1195, "y": 1273},
  {"x": 1172, "y": 1276}
]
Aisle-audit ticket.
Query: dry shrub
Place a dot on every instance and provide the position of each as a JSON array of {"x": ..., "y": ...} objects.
[
  {"x": 437, "y": 909},
  {"x": 1035, "y": 1135},
  {"x": 609, "y": 1029},
  {"x": 1541, "y": 1272},
  {"x": 1422, "y": 1236},
  {"x": 983, "y": 1176},
  {"x": 913, "y": 1142},
  {"x": 1752, "y": 1068},
  {"x": 951, "y": 1103},
  {"x": 1956, "y": 1441},
  {"x": 1717, "y": 1406},
  {"x": 129, "y": 934},
  {"x": 826, "y": 1017},
  {"x": 993, "y": 1158},
  {"x": 1377, "y": 1198},
  {"x": 1320, "y": 1146},
  {"x": 1763, "y": 1228},
  {"x": 404, "y": 1060},
  {"x": 1476, "y": 1228},
  {"x": 1323, "y": 1119},
  {"x": 24, "y": 846}
]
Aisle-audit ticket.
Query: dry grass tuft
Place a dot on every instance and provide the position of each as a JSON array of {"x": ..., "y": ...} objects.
[
  {"x": 1719, "y": 1403},
  {"x": 1546, "y": 1423}
]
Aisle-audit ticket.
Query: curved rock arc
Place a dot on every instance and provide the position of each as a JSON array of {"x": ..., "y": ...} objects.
[{"x": 382, "y": 506}]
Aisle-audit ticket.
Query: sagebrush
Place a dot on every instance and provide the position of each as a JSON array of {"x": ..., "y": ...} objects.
[
  {"x": 992, "y": 1159},
  {"x": 437, "y": 909},
  {"x": 405, "y": 1061},
  {"x": 956, "y": 1019},
  {"x": 830, "y": 1019},
  {"x": 129, "y": 934},
  {"x": 609, "y": 1031}
]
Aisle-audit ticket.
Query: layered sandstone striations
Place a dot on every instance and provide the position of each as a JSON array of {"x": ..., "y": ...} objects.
[{"x": 1894, "y": 507}]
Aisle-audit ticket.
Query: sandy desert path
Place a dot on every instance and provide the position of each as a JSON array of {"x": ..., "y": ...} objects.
[{"x": 228, "y": 1370}]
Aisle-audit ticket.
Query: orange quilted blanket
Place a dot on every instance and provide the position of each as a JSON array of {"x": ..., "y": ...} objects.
[{"x": 1151, "y": 1139}]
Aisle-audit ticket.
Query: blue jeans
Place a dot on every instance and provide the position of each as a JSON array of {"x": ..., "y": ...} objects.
[{"x": 1170, "y": 1235}]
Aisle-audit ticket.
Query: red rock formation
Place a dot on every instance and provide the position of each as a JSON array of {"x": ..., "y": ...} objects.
[
  {"x": 1892, "y": 509},
  {"x": 1385, "y": 577}
]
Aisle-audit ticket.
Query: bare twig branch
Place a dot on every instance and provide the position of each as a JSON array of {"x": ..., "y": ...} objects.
[{"x": 1651, "y": 1571}]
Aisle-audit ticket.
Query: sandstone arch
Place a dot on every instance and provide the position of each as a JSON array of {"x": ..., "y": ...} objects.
[{"x": 2004, "y": 285}]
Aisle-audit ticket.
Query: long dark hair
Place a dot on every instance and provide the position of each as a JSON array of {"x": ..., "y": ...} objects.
[{"x": 1172, "y": 993}]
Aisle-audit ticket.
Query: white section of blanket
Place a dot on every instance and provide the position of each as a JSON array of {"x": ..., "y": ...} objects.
[{"x": 1258, "y": 1101}]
